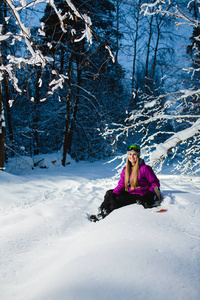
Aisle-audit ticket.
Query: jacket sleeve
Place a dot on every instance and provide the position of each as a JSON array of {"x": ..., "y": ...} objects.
[
  {"x": 151, "y": 178},
  {"x": 121, "y": 186}
]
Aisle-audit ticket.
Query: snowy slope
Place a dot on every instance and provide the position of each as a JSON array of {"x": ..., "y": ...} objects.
[{"x": 49, "y": 250}]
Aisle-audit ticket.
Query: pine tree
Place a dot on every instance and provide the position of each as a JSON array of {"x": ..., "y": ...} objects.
[{"x": 84, "y": 65}]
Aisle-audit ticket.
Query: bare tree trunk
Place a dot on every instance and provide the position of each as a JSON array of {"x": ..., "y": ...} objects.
[
  {"x": 67, "y": 120},
  {"x": 36, "y": 113},
  {"x": 156, "y": 50},
  {"x": 117, "y": 21},
  {"x": 62, "y": 60},
  {"x": 196, "y": 5},
  {"x": 72, "y": 109},
  {"x": 76, "y": 104},
  {"x": 9, "y": 122},
  {"x": 148, "y": 54},
  {"x": 5, "y": 85},
  {"x": 2, "y": 117},
  {"x": 2, "y": 122},
  {"x": 2, "y": 132},
  {"x": 135, "y": 55}
]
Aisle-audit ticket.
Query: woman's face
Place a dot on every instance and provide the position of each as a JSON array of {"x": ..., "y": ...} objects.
[{"x": 132, "y": 157}]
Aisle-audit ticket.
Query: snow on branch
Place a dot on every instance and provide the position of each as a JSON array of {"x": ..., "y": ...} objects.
[
  {"x": 14, "y": 80},
  {"x": 57, "y": 83},
  {"x": 111, "y": 54},
  {"x": 164, "y": 148},
  {"x": 25, "y": 31},
  {"x": 60, "y": 17},
  {"x": 35, "y": 56},
  {"x": 123, "y": 128},
  {"x": 165, "y": 7},
  {"x": 87, "y": 32}
]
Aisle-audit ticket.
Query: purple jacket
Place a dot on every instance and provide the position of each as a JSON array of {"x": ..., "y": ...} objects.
[{"x": 147, "y": 180}]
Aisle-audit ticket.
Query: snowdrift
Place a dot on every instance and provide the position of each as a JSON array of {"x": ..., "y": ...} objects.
[{"x": 49, "y": 249}]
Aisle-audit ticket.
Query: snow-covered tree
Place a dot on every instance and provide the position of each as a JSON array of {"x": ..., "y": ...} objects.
[
  {"x": 63, "y": 75},
  {"x": 168, "y": 124},
  {"x": 31, "y": 54},
  {"x": 84, "y": 66}
]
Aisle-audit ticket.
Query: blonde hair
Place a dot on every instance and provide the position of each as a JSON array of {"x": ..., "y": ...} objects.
[{"x": 134, "y": 174}]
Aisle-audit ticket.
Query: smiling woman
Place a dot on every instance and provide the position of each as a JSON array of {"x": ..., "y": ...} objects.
[{"x": 138, "y": 184}]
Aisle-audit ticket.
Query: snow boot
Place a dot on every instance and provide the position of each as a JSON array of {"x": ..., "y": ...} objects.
[
  {"x": 102, "y": 213},
  {"x": 93, "y": 218}
]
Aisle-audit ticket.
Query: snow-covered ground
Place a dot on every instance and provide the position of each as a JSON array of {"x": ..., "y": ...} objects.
[{"x": 49, "y": 250}]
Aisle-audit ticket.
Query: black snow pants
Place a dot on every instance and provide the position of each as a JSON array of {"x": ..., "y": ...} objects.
[{"x": 113, "y": 201}]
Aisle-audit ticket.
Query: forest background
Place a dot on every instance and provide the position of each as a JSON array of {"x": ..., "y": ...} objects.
[{"x": 87, "y": 77}]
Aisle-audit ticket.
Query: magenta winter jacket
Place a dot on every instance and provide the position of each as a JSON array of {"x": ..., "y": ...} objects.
[{"x": 147, "y": 180}]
